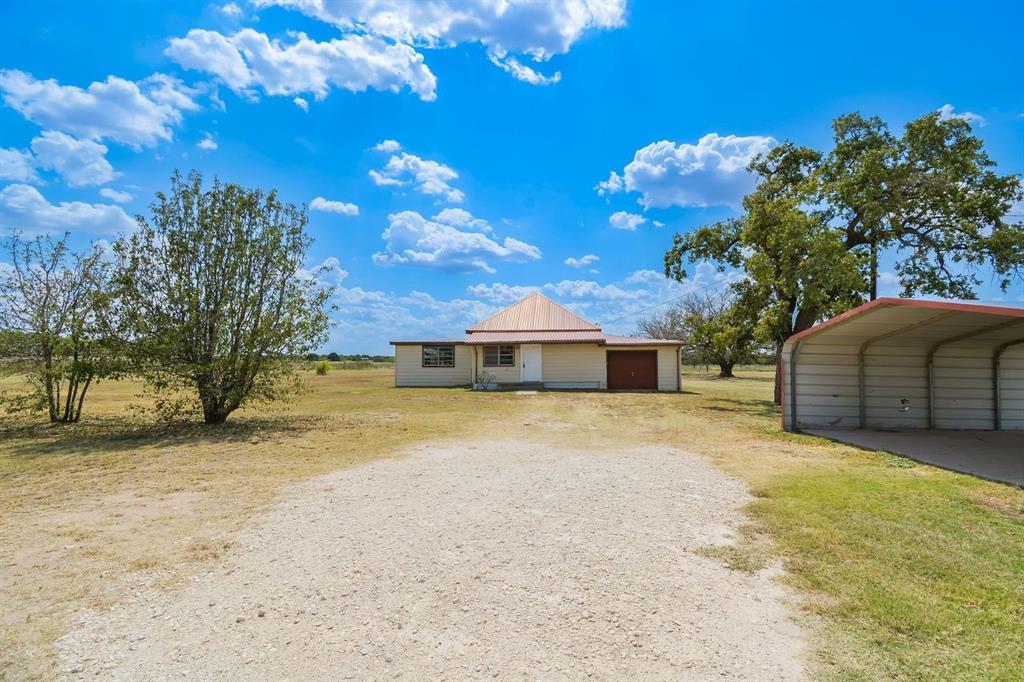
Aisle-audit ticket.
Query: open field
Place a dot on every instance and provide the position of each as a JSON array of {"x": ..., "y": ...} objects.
[{"x": 909, "y": 572}]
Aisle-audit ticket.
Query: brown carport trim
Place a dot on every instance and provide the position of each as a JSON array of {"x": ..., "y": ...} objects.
[
  {"x": 862, "y": 380},
  {"x": 1002, "y": 311},
  {"x": 930, "y": 377},
  {"x": 997, "y": 358}
]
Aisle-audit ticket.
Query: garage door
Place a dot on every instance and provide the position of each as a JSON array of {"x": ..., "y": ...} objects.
[{"x": 628, "y": 369}]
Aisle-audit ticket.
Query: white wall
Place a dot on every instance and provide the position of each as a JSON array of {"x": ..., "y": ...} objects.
[
  {"x": 574, "y": 365},
  {"x": 501, "y": 375},
  {"x": 410, "y": 372}
]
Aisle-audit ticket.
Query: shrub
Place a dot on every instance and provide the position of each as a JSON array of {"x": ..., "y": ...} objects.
[{"x": 323, "y": 367}]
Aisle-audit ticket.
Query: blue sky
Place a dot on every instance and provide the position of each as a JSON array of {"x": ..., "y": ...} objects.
[{"x": 457, "y": 149}]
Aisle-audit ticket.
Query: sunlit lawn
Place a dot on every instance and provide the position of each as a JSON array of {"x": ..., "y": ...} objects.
[{"x": 906, "y": 571}]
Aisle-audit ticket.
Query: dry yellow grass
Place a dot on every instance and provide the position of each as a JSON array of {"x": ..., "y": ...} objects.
[{"x": 85, "y": 507}]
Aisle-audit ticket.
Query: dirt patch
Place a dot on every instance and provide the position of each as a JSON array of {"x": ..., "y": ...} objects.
[{"x": 468, "y": 560}]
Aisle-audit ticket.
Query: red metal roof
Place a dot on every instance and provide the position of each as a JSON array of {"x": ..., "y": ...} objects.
[
  {"x": 534, "y": 313},
  {"x": 596, "y": 337},
  {"x": 430, "y": 342},
  {"x": 953, "y": 306},
  {"x": 612, "y": 340},
  {"x": 477, "y": 338}
]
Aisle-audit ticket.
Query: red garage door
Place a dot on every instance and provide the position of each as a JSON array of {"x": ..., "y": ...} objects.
[{"x": 633, "y": 369}]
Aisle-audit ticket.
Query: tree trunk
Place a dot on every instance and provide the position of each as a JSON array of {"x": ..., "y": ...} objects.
[
  {"x": 725, "y": 370},
  {"x": 214, "y": 414},
  {"x": 804, "y": 320}
]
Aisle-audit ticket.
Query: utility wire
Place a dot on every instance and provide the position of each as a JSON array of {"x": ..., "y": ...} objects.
[{"x": 666, "y": 301}]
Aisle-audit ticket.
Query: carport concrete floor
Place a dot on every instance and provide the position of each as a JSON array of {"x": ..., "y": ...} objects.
[{"x": 995, "y": 455}]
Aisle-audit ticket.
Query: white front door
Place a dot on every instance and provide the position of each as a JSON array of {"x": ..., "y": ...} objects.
[{"x": 529, "y": 360}]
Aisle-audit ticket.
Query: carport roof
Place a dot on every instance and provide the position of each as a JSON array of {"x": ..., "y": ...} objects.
[{"x": 903, "y": 321}]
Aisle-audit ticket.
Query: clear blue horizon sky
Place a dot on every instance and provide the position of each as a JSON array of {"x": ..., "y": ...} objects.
[{"x": 451, "y": 154}]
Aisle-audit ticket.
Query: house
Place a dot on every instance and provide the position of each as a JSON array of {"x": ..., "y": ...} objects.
[{"x": 537, "y": 342}]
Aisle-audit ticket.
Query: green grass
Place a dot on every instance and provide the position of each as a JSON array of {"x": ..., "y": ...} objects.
[{"x": 904, "y": 571}]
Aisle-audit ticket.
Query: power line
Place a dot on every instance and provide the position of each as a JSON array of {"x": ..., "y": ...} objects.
[{"x": 670, "y": 300}]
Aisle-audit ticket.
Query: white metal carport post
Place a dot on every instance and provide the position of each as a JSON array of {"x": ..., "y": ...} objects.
[
  {"x": 997, "y": 398},
  {"x": 945, "y": 342}
]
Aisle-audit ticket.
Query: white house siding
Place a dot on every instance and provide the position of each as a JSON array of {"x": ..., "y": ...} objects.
[
  {"x": 668, "y": 366},
  {"x": 501, "y": 375},
  {"x": 574, "y": 365},
  {"x": 1012, "y": 384},
  {"x": 410, "y": 372}
]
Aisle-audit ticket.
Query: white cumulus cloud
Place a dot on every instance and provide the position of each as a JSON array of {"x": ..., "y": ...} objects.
[
  {"x": 426, "y": 176},
  {"x": 22, "y": 207},
  {"x": 330, "y": 206},
  {"x": 501, "y": 293},
  {"x": 712, "y": 172},
  {"x": 116, "y": 109},
  {"x": 301, "y": 103},
  {"x": 582, "y": 261},
  {"x": 18, "y": 165},
  {"x": 231, "y": 10},
  {"x": 460, "y": 217},
  {"x": 249, "y": 60},
  {"x": 610, "y": 186},
  {"x": 524, "y": 73},
  {"x": 116, "y": 195},
  {"x": 946, "y": 111},
  {"x": 411, "y": 239},
  {"x": 388, "y": 146},
  {"x": 79, "y": 162},
  {"x": 622, "y": 220},
  {"x": 207, "y": 144},
  {"x": 538, "y": 28}
]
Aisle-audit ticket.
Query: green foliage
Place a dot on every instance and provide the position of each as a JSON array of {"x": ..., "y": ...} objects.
[
  {"x": 323, "y": 367},
  {"x": 215, "y": 297},
  {"x": 812, "y": 232},
  {"x": 54, "y": 318},
  {"x": 715, "y": 327}
]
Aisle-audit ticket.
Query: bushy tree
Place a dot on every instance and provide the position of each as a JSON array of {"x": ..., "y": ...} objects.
[
  {"x": 715, "y": 328},
  {"x": 215, "y": 296},
  {"x": 812, "y": 231},
  {"x": 54, "y": 322}
]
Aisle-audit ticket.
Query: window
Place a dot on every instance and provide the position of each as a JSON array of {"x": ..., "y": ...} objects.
[
  {"x": 438, "y": 356},
  {"x": 499, "y": 356}
]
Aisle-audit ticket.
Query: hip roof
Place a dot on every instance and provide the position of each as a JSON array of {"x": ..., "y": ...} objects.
[{"x": 534, "y": 313}]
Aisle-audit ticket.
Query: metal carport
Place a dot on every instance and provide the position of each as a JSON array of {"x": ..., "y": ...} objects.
[{"x": 898, "y": 363}]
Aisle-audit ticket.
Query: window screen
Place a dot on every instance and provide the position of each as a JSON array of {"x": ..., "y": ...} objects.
[
  {"x": 438, "y": 356},
  {"x": 499, "y": 356}
]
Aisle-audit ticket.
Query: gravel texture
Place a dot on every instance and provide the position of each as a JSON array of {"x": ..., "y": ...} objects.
[{"x": 504, "y": 560}]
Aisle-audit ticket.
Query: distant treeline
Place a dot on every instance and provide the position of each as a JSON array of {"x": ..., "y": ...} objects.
[{"x": 337, "y": 357}]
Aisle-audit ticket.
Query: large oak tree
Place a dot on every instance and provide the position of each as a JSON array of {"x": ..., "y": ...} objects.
[{"x": 813, "y": 231}]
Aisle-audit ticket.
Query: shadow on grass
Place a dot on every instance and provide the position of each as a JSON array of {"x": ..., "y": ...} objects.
[
  {"x": 759, "y": 408},
  {"x": 28, "y": 439}
]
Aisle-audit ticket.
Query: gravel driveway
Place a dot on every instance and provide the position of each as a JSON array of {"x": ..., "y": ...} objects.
[{"x": 469, "y": 560}]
